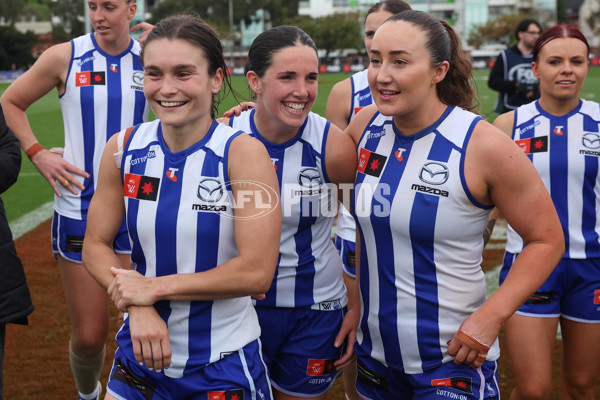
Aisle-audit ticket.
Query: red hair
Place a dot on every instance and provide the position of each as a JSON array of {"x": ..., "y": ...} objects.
[{"x": 558, "y": 32}]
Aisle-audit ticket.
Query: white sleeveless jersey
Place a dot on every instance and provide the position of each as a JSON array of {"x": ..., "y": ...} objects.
[
  {"x": 309, "y": 270},
  {"x": 361, "y": 97},
  {"x": 565, "y": 151},
  {"x": 180, "y": 221},
  {"x": 103, "y": 95},
  {"x": 421, "y": 237}
]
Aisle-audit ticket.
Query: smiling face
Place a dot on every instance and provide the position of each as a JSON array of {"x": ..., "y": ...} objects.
[
  {"x": 177, "y": 83},
  {"x": 110, "y": 19},
  {"x": 561, "y": 67},
  {"x": 401, "y": 77},
  {"x": 287, "y": 91}
]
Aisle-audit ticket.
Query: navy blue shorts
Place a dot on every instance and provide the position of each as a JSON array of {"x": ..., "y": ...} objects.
[
  {"x": 298, "y": 348},
  {"x": 571, "y": 291},
  {"x": 67, "y": 238},
  {"x": 240, "y": 375},
  {"x": 448, "y": 381}
]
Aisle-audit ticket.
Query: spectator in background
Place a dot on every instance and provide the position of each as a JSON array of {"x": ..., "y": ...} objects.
[
  {"x": 511, "y": 74},
  {"x": 15, "y": 301}
]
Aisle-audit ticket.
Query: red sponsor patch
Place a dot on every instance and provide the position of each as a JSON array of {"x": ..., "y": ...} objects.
[
  {"x": 370, "y": 163},
  {"x": 141, "y": 187},
  {"x": 87, "y": 78},
  {"x": 533, "y": 145},
  {"x": 459, "y": 383},
  {"x": 320, "y": 367},
  {"x": 597, "y": 297}
]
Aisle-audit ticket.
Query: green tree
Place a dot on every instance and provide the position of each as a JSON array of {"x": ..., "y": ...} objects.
[
  {"x": 337, "y": 31},
  {"x": 71, "y": 15},
  {"x": 11, "y": 9},
  {"x": 500, "y": 30},
  {"x": 15, "y": 48}
]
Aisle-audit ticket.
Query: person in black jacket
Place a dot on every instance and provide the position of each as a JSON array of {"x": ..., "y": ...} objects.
[
  {"x": 511, "y": 74},
  {"x": 15, "y": 301}
]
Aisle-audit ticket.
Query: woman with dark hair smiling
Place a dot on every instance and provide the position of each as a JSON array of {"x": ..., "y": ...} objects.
[
  {"x": 303, "y": 310},
  {"x": 191, "y": 331}
]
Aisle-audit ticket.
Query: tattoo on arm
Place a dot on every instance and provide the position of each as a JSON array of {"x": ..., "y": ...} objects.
[{"x": 487, "y": 234}]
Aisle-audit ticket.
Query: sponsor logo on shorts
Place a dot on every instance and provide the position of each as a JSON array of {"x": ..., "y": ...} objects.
[
  {"x": 320, "y": 367},
  {"x": 370, "y": 378},
  {"x": 541, "y": 298},
  {"x": 533, "y": 145},
  {"x": 459, "y": 383},
  {"x": 141, "y": 187},
  {"x": 74, "y": 244},
  {"x": 597, "y": 297},
  {"x": 371, "y": 163},
  {"x": 330, "y": 305},
  {"x": 234, "y": 394},
  {"x": 90, "y": 78},
  {"x": 122, "y": 374}
]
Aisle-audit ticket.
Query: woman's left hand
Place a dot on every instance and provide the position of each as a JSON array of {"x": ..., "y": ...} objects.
[
  {"x": 473, "y": 340},
  {"x": 130, "y": 288}
]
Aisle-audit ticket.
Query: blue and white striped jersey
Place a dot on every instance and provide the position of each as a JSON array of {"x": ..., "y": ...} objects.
[
  {"x": 309, "y": 270},
  {"x": 421, "y": 241},
  {"x": 361, "y": 97},
  {"x": 565, "y": 151},
  {"x": 103, "y": 95},
  {"x": 179, "y": 216}
]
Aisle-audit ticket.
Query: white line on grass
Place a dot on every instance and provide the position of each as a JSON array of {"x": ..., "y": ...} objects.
[{"x": 31, "y": 220}]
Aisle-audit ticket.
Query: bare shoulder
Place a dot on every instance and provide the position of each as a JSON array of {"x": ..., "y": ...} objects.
[
  {"x": 505, "y": 122},
  {"x": 360, "y": 121},
  {"x": 338, "y": 103},
  {"x": 245, "y": 149}
]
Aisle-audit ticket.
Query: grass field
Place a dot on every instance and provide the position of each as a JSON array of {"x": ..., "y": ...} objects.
[{"x": 31, "y": 191}]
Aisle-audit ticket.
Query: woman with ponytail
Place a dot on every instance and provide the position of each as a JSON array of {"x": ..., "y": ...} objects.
[{"x": 430, "y": 170}]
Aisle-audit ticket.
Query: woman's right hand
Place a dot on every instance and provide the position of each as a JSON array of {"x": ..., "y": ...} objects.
[
  {"x": 237, "y": 110},
  {"x": 149, "y": 338},
  {"x": 57, "y": 171},
  {"x": 146, "y": 28}
]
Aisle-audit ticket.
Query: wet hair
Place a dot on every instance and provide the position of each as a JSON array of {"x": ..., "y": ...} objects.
[
  {"x": 269, "y": 42},
  {"x": 523, "y": 26},
  {"x": 194, "y": 30},
  {"x": 391, "y": 6},
  {"x": 443, "y": 44},
  {"x": 558, "y": 32}
]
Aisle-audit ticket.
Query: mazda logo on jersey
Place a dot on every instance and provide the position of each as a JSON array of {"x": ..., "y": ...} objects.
[
  {"x": 591, "y": 140},
  {"x": 310, "y": 178},
  {"x": 210, "y": 190},
  {"x": 138, "y": 80},
  {"x": 434, "y": 173}
]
